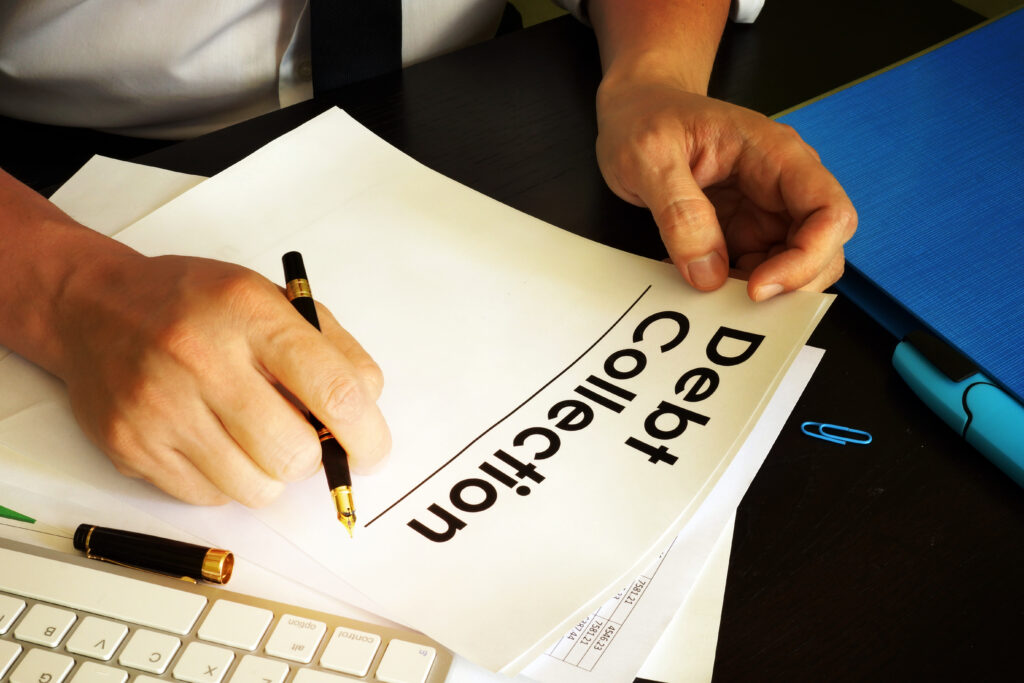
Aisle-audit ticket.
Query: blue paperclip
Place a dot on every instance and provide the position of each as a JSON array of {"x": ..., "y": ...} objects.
[{"x": 846, "y": 434}]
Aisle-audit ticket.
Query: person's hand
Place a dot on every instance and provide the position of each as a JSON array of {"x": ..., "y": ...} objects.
[
  {"x": 732, "y": 192},
  {"x": 178, "y": 368}
]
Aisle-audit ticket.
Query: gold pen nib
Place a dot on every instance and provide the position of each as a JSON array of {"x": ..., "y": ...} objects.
[{"x": 346, "y": 509}]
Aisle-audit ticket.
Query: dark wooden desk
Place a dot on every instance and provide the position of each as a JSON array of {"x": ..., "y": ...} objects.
[{"x": 902, "y": 560}]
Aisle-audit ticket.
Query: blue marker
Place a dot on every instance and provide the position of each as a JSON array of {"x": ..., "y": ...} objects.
[{"x": 968, "y": 401}]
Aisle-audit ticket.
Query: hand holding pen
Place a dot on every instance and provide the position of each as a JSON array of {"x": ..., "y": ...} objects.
[{"x": 179, "y": 368}]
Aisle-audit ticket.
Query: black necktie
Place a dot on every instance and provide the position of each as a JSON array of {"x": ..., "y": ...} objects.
[{"x": 351, "y": 40}]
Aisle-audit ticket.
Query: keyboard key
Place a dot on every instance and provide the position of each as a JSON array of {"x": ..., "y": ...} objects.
[
  {"x": 96, "y": 638},
  {"x": 10, "y": 608},
  {"x": 42, "y": 666},
  {"x": 44, "y": 625},
  {"x": 236, "y": 625},
  {"x": 8, "y": 653},
  {"x": 202, "y": 663},
  {"x": 314, "y": 676},
  {"x": 149, "y": 651},
  {"x": 99, "y": 592},
  {"x": 91, "y": 672},
  {"x": 253, "y": 669},
  {"x": 405, "y": 662},
  {"x": 350, "y": 651},
  {"x": 296, "y": 638}
]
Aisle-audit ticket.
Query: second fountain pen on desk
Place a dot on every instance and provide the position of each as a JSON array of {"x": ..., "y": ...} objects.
[{"x": 335, "y": 459}]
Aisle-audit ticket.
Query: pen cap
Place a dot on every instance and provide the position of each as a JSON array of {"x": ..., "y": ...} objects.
[
  {"x": 293, "y": 266},
  {"x": 153, "y": 553},
  {"x": 297, "y": 287}
]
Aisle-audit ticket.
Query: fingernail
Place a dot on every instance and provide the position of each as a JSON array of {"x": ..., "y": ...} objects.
[
  {"x": 705, "y": 271},
  {"x": 767, "y": 291}
]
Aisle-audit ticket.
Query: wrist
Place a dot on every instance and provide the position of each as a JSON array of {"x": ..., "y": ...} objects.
[
  {"x": 54, "y": 278},
  {"x": 651, "y": 70},
  {"x": 95, "y": 278},
  {"x": 667, "y": 42}
]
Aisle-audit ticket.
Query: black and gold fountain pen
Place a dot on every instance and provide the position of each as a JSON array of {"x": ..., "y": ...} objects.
[{"x": 334, "y": 457}]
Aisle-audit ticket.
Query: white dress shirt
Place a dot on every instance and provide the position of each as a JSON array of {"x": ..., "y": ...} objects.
[{"x": 180, "y": 68}]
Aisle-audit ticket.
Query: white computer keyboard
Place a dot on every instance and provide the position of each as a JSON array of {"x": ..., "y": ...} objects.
[{"x": 67, "y": 619}]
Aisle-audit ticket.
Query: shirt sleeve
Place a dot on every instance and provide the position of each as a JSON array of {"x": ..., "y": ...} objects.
[
  {"x": 745, "y": 11},
  {"x": 742, "y": 11}
]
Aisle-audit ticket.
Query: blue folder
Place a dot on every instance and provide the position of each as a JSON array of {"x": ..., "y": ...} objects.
[{"x": 931, "y": 152}]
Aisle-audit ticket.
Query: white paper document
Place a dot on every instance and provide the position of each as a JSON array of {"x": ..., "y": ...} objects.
[
  {"x": 695, "y": 624},
  {"x": 612, "y": 643},
  {"x": 560, "y": 410}
]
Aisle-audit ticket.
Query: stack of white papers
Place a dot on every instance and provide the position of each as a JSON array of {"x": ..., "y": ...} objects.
[{"x": 561, "y": 411}]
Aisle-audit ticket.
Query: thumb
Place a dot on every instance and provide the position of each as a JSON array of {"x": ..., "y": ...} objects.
[{"x": 689, "y": 228}]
